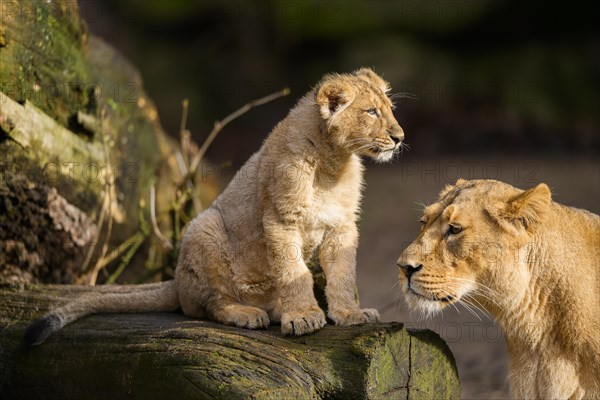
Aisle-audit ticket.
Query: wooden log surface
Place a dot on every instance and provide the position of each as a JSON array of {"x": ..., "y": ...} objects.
[{"x": 167, "y": 355}]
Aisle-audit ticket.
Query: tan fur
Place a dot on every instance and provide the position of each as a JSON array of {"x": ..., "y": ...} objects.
[
  {"x": 533, "y": 264},
  {"x": 242, "y": 261}
]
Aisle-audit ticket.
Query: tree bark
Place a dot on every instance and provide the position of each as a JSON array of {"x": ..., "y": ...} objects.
[{"x": 166, "y": 355}]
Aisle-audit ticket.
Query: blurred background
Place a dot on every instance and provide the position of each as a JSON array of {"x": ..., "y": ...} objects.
[{"x": 498, "y": 89}]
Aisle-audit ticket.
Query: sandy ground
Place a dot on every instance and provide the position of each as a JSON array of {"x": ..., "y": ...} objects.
[{"x": 389, "y": 223}]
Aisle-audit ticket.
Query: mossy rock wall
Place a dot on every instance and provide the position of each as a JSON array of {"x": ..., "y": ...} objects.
[{"x": 77, "y": 128}]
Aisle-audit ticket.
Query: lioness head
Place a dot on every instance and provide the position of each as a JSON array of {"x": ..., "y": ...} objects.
[
  {"x": 358, "y": 114},
  {"x": 472, "y": 245}
]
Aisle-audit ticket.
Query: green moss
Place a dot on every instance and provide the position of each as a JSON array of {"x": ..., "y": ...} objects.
[
  {"x": 430, "y": 353},
  {"x": 3, "y": 41},
  {"x": 47, "y": 65}
]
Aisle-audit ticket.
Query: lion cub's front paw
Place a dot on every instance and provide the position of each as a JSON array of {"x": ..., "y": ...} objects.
[
  {"x": 353, "y": 317},
  {"x": 299, "y": 323},
  {"x": 243, "y": 317}
]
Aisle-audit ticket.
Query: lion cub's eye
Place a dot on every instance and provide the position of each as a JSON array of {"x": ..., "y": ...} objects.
[
  {"x": 373, "y": 111},
  {"x": 455, "y": 229}
]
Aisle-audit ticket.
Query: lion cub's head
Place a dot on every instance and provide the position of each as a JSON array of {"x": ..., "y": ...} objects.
[
  {"x": 472, "y": 245},
  {"x": 358, "y": 114}
]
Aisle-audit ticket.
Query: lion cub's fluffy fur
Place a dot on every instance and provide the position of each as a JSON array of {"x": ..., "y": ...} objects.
[
  {"x": 532, "y": 263},
  {"x": 242, "y": 261}
]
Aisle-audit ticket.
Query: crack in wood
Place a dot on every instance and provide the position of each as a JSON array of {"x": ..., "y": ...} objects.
[
  {"x": 409, "y": 366},
  {"x": 198, "y": 388}
]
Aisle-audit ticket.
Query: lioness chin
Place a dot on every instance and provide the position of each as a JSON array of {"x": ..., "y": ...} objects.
[
  {"x": 242, "y": 261},
  {"x": 530, "y": 262}
]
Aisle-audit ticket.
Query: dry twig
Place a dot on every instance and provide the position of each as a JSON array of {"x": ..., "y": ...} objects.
[
  {"x": 163, "y": 240},
  {"x": 108, "y": 187},
  {"x": 219, "y": 125}
]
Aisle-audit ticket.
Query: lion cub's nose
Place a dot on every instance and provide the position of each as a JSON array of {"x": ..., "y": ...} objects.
[
  {"x": 410, "y": 269},
  {"x": 396, "y": 134}
]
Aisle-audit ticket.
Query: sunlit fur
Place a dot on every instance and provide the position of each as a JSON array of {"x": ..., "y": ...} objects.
[
  {"x": 530, "y": 262},
  {"x": 242, "y": 260}
]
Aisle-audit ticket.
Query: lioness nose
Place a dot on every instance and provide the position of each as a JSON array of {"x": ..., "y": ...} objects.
[
  {"x": 409, "y": 269},
  {"x": 395, "y": 139}
]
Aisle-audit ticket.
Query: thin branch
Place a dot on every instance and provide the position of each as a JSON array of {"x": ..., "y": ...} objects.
[
  {"x": 181, "y": 163},
  {"x": 109, "y": 188},
  {"x": 184, "y": 135},
  {"x": 219, "y": 125},
  {"x": 96, "y": 240},
  {"x": 100, "y": 262},
  {"x": 110, "y": 257},
  {"x": 185, "y": 105},
  {"x": 164, "y": 241},
  {"x": 138, "y": 240}
]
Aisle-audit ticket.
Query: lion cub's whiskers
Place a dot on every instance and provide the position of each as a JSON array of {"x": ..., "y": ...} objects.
[
  {"x": 364, "y": 146},
  {"x": 357, "y": 141}
]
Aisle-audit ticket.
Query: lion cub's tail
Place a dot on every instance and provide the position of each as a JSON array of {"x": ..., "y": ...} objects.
[{"x": 142, "y": 298}]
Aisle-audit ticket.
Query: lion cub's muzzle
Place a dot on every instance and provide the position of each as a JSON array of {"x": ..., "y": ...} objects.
[{"x": 396, "y": 133}]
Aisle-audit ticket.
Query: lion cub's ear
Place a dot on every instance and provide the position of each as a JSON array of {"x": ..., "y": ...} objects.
[
  {"x": 334, "y": 96},
  {"x": 530, "y": 206},
  {"x": 368, "y": 75}
]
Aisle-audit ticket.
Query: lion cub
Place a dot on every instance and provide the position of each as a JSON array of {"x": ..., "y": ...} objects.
[
  {"x": 242, "y": 261},
  {"x": 530, "y": 262}
]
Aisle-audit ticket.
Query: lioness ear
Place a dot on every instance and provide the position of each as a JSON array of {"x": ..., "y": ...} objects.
[
  {"x": 334, "y": 96},
  {"x": 368, "y": 75},
  {"x": 529, "y": 207}
]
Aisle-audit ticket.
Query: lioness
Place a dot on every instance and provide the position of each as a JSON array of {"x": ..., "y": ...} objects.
[
  {"x": 530, "y": 262},
  {"x": 242, "y": 261}
]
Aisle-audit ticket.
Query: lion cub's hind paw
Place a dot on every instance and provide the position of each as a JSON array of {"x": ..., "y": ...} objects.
[
  {"x": 355, "y": 317},
  {"x": 243, "y": 317},
  {"x": 302, "y": 323}
]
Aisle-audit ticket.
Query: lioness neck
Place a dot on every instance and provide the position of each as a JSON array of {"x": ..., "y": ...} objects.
[
  {"x": 551, "y": 315},
  {"x": 560, "y": 274}
]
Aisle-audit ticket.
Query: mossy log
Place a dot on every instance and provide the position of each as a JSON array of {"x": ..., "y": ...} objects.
[{"x": 166, "y": 355}]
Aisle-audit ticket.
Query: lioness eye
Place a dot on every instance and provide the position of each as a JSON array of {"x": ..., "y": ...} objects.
[
  {"x": 455, "y": 229},
  {"x": 372, "y": 111}
]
